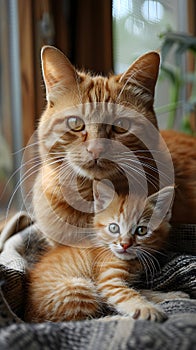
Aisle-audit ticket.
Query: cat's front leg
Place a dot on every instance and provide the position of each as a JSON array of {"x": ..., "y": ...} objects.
[
  {"x": 128, "y": 301},
  {"x": 139, "y": 308}
]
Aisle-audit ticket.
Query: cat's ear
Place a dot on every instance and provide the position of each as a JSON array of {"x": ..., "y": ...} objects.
[
  {"x": 103, "y": 194},
  {"x": 57, "y": 70},
  {"x": 144, "y": 71},
  {"x": 162, "y": 202}
]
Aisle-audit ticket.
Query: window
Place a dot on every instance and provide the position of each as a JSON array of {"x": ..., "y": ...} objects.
[
  {"x": 10, "y": 114},
  {"x": 136, "y": 29}
]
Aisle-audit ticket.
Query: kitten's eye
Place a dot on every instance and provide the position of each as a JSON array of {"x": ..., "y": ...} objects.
[
  {"x": 121, "y": 125},
  {"x": 75, "y": 123},
  {"x": 141, "y": 230},
  {"x": 114, "y": 228}
]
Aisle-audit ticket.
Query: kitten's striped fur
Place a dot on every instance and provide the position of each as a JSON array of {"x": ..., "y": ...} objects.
[{"x": 71, "y": 283}]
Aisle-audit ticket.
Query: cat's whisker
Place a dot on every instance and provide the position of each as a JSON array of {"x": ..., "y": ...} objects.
[
  {"x": 147, "y": 165},
  {"x": 133, "y": 163},
  {"x": 151, "y": 159},
  {"x": 129, "y": 162},
  {"x": 18, "y": 185},
  {"x": 127, "y": 158},
  {"x": 155, "y": 170},
  {"x": 152, "y": 259},
  {"x": 156, "y": 251},
  {"x": 32, "y": 145},
  {"x": 145, "y": 174},
  {"x": 30, "y": 173},
  {"x": 127, "y": 169},
  {"x": 143, "y": 262},
  {"x": 151, "y": 151},
  {"x": 14, "y": 174},
  {"x": 148, "y": 269},
  {"x": 149, "y": 263},
  {"x": 35, "y": 169}
]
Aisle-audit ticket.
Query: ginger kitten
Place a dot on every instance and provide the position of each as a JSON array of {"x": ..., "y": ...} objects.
[{"x": 72, "y": 283}]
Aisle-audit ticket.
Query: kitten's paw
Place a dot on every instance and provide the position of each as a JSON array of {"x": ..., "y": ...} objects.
[{"x": 149, "y": 312}]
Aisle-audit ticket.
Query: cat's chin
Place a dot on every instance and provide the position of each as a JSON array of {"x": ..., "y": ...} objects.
[{"x": 94, "y": 171}]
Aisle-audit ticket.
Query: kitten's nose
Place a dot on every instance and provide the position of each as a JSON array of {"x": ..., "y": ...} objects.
[
  {"x": 125, "y": 245},
  {"x": 95, "y": 148}
]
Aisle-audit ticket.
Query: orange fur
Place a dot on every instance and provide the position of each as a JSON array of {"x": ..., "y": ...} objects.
[
  {"x": 71, "y": 283},
  {"x": 70, "y": 92},
  {"x": 183, "y": 152},
  {"x": 68, "y": 155}
]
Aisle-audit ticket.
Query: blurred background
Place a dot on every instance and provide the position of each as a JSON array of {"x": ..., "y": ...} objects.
[{"x": 99, "y": 35}]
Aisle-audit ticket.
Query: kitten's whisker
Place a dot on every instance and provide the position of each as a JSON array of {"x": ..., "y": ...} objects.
[
  {"x": 156, "y": 251},
  {"x": 152, "y": 260},
  {"x": 144, "y": 263},
  {"x": 149, "y": 259}
]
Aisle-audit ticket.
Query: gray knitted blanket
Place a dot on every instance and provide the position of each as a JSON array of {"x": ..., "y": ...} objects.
[{"x": 177, "y": 271}]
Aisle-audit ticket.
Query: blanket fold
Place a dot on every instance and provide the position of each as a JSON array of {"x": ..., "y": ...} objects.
[{"x": 177, "y": 271}]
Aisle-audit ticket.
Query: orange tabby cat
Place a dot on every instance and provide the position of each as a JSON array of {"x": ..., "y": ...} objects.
[
  {"x": 86, "y": 120},
  {"x": 71, "y": 283}
]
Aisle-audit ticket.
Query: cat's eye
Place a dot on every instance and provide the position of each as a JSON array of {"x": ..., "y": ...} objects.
[
  {"x": 141, "y": 230},
  {"x": 114, "y": 228},
  {"x": 121, "y": 125},
  {"x": 75, "y": 124}
]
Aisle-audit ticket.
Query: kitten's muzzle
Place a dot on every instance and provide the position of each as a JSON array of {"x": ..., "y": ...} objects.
[
  {"x": 125, "y": 246},
  {"x": 95, "y": 148}
]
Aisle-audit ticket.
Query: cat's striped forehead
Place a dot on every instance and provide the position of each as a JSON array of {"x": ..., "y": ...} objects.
[
  {"x": 131, "y": 208},
  {"x": 66, "y": 86},
  {"x": 126, "y": 211},
  {"x": 97, "y": 89}
]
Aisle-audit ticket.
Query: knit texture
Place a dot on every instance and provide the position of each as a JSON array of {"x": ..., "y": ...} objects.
[{"x": 176, "y": 271}]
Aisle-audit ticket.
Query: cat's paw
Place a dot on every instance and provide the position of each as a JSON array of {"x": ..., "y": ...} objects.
[{"x": 149, "y": 312}]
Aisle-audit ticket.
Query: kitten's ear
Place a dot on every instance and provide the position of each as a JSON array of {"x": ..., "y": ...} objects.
[
  {"x": 162, "y": 202},
  {"x": 144, "y": 71},
  {"x": 57, "y": 69},
  {"x": 103, "y": 194}
]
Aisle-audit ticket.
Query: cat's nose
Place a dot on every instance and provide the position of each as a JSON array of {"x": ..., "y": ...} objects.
[
  {"x": 125, "y": 245},
  {"x": 95, "y": 148}
]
